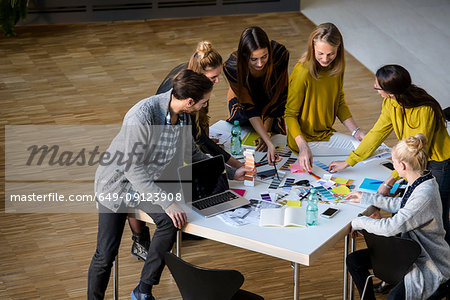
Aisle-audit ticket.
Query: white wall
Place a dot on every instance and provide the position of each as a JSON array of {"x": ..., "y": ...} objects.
[{"x": 411, "y": 33}]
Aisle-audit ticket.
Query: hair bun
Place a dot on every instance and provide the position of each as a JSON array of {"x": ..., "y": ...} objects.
[
  {"x": 416, "y": 143},
  {"x": 203, "y": 49}
]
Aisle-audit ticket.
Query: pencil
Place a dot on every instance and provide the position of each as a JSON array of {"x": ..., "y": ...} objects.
[{"x": 276, "y": 172}]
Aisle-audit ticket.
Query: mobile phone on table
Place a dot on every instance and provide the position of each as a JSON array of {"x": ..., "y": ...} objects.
[
  {"x": 330, "y": 212},
  {"x": 388, "y": 165}
]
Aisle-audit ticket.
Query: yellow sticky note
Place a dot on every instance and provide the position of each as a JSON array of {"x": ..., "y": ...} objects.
[
  {"x": 341, "y": 190},
  {"x": 341, "y": 180},
  {"x": 294, "y": 203}
]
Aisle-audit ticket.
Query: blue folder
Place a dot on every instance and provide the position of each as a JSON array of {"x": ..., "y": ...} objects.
[{"x": 372, "y": 185}]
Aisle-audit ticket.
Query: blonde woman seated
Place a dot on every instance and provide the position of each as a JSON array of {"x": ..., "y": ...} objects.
[{"x": 418, "y": 217}]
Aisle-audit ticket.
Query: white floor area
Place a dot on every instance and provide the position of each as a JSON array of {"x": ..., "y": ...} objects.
[{"x": 411, "y": 33}]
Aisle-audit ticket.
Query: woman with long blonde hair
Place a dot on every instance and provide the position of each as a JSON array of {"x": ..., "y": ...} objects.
[{"x": 316, "y": 98}]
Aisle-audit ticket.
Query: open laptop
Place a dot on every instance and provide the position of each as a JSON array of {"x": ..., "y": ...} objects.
[{"x": 205, "y": 187}]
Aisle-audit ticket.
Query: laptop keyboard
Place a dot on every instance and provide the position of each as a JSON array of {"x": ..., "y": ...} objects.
[{"x": 214, "y": 200}]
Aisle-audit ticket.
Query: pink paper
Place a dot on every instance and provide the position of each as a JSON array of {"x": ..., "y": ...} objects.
[
  {"x": 240, "y": 192},
  {"x": 295, "y": 168}
]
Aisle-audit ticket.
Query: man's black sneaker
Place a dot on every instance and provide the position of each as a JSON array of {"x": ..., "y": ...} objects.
[
  {"x": 141, "y": 244},
  {"x": 382, "y": 287}
]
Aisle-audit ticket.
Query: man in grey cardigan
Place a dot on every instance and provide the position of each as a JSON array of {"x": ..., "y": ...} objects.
[{"x": 154, "y": 140}]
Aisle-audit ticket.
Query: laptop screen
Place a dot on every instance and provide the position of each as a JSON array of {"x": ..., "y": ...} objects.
[{"x": 204, "y": 178}]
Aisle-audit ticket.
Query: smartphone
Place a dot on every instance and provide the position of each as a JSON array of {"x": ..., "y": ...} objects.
[
  {"x": 388, "y": 165},
  {"x": 330, "y": 212}
]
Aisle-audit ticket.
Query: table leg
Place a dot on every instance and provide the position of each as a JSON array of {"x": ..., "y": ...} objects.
[
  {"x": 178, "y": 241},
  {"x": 116, "y": 278},
  {"x": 296, "y": 281},
  {"x": 352, "y": 249},
  {"x": 346, "y": 243}
]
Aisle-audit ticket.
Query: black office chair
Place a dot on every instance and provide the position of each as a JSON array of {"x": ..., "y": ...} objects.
[
  {"x": 197, "y": 283},
  {"x": 391, "y": 257}
]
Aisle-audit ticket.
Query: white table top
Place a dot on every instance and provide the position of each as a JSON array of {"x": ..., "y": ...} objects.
[{"x": 300, "y": 245}]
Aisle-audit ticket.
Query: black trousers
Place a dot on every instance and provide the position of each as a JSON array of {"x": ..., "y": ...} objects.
[
  {"x": 359, "y": 264},
  {"x": 110, "y": 230},
  {"x": 441, "y": 170}
]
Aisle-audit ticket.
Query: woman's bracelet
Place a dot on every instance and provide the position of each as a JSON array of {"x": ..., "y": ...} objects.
[
  {"x": 387, "y": 185},
  {"x": 355, "y": 131}
]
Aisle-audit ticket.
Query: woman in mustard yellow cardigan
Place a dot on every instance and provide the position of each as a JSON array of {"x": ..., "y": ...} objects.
[
  {"x": 316, "y": 97},
  {"x": 408, "y": 110}
]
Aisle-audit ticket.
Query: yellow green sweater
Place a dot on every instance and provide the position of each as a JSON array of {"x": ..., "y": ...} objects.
[
  {"x": 418, "y": 120},
  {"x": 313, "y": 105}
]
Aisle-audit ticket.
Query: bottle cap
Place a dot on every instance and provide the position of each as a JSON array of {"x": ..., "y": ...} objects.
[{"x": 236, "y": 122}]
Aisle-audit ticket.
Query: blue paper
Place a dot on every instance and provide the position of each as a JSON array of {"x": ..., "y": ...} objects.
[{"x": 372, "y": 185}]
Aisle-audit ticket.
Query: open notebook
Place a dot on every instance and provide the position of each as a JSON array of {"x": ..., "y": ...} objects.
[{"x": 278, "y": 217}]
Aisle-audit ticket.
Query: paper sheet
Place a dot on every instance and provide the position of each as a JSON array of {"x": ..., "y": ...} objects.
[{"x": 341, "y": 190}]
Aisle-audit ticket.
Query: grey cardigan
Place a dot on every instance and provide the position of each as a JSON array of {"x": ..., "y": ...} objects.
[
  {"x": 421, "y": 220},
  {"x": 116, "y": 182}
]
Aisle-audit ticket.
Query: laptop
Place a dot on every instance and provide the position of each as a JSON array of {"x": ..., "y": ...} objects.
[{"x": 205, "y": 187}]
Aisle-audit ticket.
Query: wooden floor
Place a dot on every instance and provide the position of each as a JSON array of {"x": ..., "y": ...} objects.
[{"x": 92, "y": 74}]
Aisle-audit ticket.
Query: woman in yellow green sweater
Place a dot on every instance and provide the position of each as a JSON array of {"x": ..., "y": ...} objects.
[
  {"x": 316, "y": 98},
  {"x": 408, "y": 110}
]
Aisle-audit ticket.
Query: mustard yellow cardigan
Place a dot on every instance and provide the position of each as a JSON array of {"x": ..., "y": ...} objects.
[
  {"x": 313, "y": 105},
  {"x": 416, "y": 120}
]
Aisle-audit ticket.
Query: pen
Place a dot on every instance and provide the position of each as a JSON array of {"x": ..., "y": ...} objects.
[
  {"x": 305, "y": 195},
  {"x": 276, "y": 172},
  {"x": 376, "y": 182},
  {"x": 314, "y": 175}
]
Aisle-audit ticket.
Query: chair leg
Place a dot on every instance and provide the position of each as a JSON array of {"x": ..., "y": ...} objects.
[
  {"x": 116, "y": 278},
  {"x": 365, "y": 286}
]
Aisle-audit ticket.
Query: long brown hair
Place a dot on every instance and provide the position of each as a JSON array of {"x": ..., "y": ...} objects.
[
  {"x": 252, "y": 39},
  {"x": 329, "y": 33},
  {"x": 395, "y": 80}
]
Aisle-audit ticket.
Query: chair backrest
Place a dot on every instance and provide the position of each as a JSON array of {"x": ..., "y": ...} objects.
[
  {"x": 197, "y": 283},
  {"x": 391, "y": 257}
]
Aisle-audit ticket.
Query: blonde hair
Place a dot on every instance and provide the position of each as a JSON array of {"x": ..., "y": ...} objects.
[
  {"x": 413, "y": 152},
  {"x": 329, "y": 33},
  {"x": 204, "y": 57}
]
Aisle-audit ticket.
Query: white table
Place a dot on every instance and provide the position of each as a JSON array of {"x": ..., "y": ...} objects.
[{"x": 298, "y": 245}]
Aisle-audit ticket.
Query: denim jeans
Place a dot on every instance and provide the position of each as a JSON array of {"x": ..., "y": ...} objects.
[
  {"x": 110, "y": 230},
  {"x": 441, "y": 171},
  {"x": 358, "y": 264}
]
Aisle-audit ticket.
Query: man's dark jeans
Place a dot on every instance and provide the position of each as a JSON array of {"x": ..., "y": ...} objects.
[{"x": 110, "y": 230}]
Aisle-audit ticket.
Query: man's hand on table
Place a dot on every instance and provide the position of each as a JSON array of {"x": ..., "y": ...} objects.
[
  {"x": 177, "y": 214},
  {"x": 240, "y": 173}
]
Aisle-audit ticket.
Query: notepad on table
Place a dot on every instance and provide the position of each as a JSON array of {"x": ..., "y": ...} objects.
[{"x": 288, "y": 217}]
